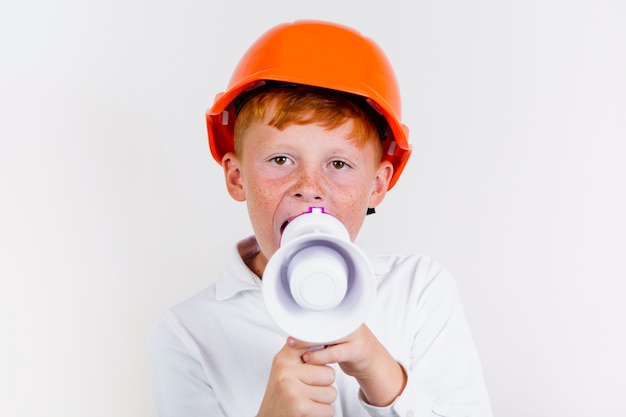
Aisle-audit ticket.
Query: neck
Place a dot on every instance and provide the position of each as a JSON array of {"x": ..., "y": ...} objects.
[{"x": 257, "y": 264}]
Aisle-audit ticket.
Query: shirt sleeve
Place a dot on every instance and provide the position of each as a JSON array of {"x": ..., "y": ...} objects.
[
  {"x": 179, "y": 384},
  {"x": 444, "y": 373}
]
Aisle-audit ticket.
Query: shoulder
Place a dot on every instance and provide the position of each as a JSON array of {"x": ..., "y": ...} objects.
[
  {"x": 414, "y": 275},
  {"x": 195, "y": 304},
  {"x": 182, "y": 316},
  {"x": 418, "y": 266}
]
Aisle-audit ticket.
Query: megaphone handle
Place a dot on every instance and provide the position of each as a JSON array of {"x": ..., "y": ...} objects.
[{"x": 318, "y": 347}]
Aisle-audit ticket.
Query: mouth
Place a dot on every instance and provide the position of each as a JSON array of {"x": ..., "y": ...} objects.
[
  {"x": 290, "y": 219},
  {"x": 283, "y": 226}
]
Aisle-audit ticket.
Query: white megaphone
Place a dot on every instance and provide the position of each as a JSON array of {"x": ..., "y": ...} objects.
[{"x": 318, "y": 286}]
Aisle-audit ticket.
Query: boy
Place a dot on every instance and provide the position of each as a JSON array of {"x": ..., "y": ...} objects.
[{"x": 312, "y": 118}]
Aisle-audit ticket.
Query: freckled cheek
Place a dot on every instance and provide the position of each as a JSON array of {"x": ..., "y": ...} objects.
[
  {"x": 261, "y": 187},
  {"x": 262, "y": 205},
  {"x": 351, "y": 207},
  {"x": 356, "y": 221}
]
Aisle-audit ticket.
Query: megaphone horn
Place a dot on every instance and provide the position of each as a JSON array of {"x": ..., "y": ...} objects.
[{"x": 318, "y": 286}]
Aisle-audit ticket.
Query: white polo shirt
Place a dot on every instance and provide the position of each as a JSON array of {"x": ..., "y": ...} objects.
[{"x": 211, "y": 355}]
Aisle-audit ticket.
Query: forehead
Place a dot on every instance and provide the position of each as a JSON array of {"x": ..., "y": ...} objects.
[{"x": 282, "y": 107}]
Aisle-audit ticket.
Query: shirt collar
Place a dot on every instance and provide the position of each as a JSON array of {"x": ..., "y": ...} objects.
[{"x": 237, "y": 277}]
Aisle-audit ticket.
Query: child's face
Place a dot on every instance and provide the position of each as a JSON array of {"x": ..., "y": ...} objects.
[{"x": 281, "y": 173}]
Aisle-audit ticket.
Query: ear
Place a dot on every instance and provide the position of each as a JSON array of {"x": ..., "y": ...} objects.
[
  {"x": 233, "y": 177},
  {"x": 381, "y": 183}
]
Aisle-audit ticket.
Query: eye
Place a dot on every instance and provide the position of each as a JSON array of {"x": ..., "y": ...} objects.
[
  {"x": 280, "y": 160},
  {"x": 339, "y": 165}
]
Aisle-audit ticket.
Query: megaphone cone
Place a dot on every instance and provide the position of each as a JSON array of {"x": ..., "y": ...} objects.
[{"x": 318, "y": 286}]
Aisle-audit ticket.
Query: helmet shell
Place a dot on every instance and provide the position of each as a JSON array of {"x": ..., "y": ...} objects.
[{"x": 318, "y": 54}]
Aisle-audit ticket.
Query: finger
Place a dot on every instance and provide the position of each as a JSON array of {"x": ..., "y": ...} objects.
[
  {"x": 317, "y": 375},
  {"x": 299, "y": 344},
  {"x": 321, "y": 410},
  {"x": 357, "y": 346},
  {"x": 322, "y": 395},
  {"x": 293, "y": 350},
  {"x": 330, "y": 354}
]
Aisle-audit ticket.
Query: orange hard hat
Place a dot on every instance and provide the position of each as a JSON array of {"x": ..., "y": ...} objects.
[{"x": 318, "y": 54}]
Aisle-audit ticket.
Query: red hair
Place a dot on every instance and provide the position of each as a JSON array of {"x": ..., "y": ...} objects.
[{"x": 281, "y": 107}]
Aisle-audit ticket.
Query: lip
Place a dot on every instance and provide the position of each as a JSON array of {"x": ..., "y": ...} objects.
[{"x": 284, "y": 225}]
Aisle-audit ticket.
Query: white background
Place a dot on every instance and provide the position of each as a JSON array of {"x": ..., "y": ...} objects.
[{"x": 112, "y": 209}]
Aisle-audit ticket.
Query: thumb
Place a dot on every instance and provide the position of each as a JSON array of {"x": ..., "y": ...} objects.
[{"x": 293, "y": 351}]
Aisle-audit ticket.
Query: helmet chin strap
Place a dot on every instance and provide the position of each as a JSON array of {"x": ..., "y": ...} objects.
[{"x": 370, "y": 210}]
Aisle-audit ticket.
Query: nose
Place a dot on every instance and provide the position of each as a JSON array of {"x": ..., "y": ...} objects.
[{"x": 309, "y": 186}]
